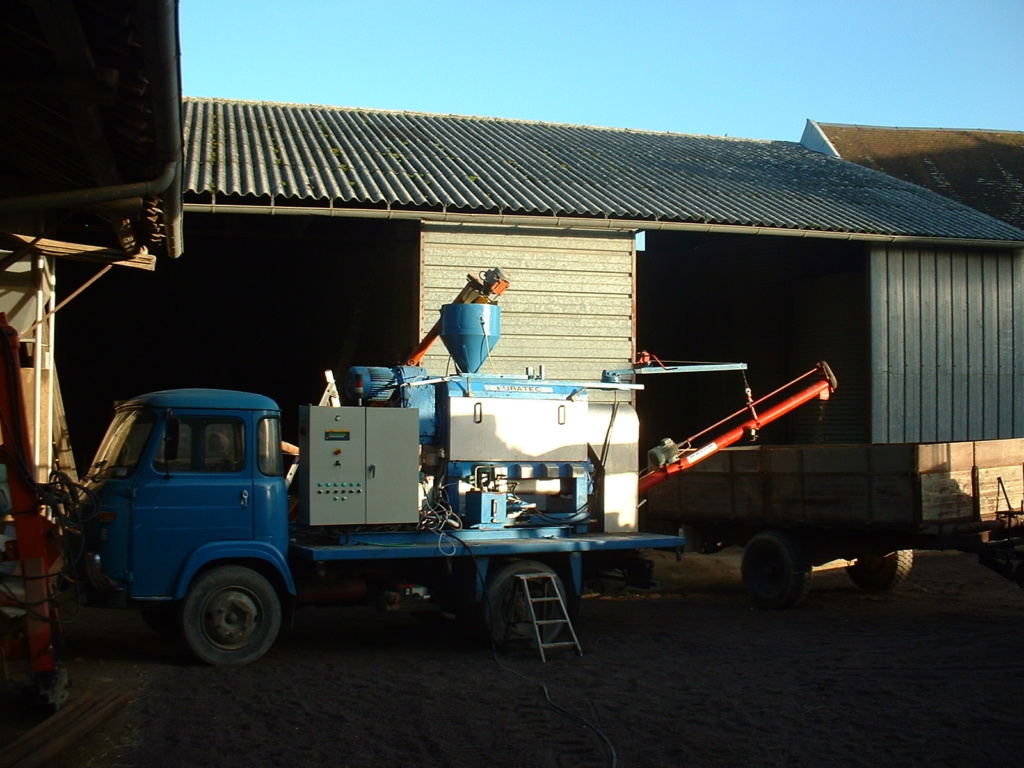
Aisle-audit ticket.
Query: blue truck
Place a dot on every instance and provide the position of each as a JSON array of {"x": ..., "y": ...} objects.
[{"x": 489, "y": 497}]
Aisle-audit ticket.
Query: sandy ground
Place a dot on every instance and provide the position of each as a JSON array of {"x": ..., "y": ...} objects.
[{"x": 692, "y": 675}]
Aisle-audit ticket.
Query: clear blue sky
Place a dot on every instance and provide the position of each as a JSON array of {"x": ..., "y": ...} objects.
[{"x": 722, "y": 67}]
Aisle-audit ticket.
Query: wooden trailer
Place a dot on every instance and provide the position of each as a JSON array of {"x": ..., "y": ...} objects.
[{"x": 795, "y": 507}]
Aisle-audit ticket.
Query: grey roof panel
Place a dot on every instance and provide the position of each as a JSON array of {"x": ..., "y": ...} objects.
[{"x": 375, "y": 158}]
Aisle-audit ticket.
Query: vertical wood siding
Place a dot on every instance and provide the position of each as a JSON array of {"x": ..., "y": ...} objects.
[
  {"x": 570, "y": 306},
  {"x": 947, "y": 344}
]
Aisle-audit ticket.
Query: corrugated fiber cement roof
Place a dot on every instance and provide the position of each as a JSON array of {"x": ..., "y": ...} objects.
[{"x": 363, "y": 158}]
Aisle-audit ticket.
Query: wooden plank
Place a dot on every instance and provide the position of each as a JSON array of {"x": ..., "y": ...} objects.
[
  {"x": 911, "y": 363},
  {"x": 1000, "y": 489},
  {"x": 976, "y": 302},
  {"x": 961, "y": 346},
  {"x": 946, "y": 496},
  {"x": 990, "y": 347},
  {"x": 944, "y": 347},
  {"x": 927, "y": 430},
  {"x": 1006, "y": 340},
  {"x": 1017, "y": 361},
  {"x": 896, "y": 365},
  {"x": 879, "y": 320},
  {"x": 571, "y": 303}
]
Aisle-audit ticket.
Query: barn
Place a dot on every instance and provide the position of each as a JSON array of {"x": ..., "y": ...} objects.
[{"x": 319, "y": 237}]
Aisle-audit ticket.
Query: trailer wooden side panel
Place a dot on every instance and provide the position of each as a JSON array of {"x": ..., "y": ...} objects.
[{"x": 903, "y": 486}]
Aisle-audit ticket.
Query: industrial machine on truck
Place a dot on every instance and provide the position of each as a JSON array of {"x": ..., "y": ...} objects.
[
  {"x": 489, "y": 496},
  {"x": 472, "y": 492}
]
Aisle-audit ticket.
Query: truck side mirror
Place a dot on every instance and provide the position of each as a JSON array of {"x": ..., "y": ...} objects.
[{"x": 171, "y": 438}]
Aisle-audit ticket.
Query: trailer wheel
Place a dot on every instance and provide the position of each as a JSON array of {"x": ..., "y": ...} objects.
[
  {"x": 231, "y": 616},
  {"x": 878, "y": 574},
  {"x": 506, "y": 614},
  {"x": 776, "y": 570}
]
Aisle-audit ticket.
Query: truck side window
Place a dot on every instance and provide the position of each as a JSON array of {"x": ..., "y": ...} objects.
[
  {"x": 223, "y": 446},
  {"x": 268, "y": 447},
  {"x": 206, "y": 445}
]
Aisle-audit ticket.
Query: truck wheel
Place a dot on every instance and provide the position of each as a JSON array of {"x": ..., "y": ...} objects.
[
  {"x": 506, "y": 613},
  {"x": 877, "y": 574},
  {"x": 231, "y": 616},
  {"x": 776, "y": 570}
]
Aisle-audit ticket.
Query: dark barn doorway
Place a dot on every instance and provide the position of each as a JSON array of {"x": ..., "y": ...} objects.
[
  {"x": 779, "y": 304},
  {"x": 257, "y": 303}
]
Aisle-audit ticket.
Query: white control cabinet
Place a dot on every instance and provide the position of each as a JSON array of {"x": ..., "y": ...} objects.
[{"x": 358, "y": 466}]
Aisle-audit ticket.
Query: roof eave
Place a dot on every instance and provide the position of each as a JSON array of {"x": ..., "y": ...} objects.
[{"x": 579, "y": 222}]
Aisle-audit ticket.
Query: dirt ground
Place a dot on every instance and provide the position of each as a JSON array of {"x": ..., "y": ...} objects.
[{"x": 691, "y": 675}]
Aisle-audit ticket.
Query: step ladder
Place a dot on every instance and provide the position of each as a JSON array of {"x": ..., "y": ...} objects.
[
  {"x": 329, "y": 397},
  {"x": 552, "y": 597}
]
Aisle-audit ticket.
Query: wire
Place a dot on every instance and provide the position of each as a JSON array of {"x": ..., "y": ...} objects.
[
  {"x": 63, "y": 499},
  {"x": 609, "y": 746},
  {"x": 437, "y": 515}
]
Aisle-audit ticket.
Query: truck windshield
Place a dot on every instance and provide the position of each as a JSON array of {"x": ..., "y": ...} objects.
[{"x": 122, "y": 446}]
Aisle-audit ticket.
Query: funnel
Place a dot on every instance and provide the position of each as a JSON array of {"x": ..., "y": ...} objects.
[{"x": 470, "y": 331}]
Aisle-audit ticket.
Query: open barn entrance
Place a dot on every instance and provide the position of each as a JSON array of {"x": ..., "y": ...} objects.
[
  {"x": 258, "y": 303},
  {"x": 778, "y": 304}
]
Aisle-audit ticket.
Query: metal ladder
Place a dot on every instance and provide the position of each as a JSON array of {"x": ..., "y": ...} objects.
[
  {"x": 546, "y": 579},
  {"x": 329, "y": 397}
]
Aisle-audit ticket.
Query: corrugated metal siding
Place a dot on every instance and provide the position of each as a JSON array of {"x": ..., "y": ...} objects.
[
  {"x": 570, "y": 305},
  {"x": 415, "y": 161},
  {"x": 947, "y": 352}
]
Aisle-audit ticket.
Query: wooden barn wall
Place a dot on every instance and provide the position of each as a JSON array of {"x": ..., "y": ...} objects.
[
  {"x": 947, "y": 344},
  {"x": 570, "y": 306}
]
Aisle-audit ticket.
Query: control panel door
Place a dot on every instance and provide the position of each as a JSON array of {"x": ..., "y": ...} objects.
[{"x": 358, "y": 466}]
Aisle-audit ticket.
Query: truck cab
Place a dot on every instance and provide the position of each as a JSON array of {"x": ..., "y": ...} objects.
[{"x": 182, "y": 479}]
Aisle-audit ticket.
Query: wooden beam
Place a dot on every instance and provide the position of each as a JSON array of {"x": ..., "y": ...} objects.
[{"x": 77, "y": 251}]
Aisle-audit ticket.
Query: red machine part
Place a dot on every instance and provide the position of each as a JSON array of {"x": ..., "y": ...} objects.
[
  {"x": 822, "y": 388},
  {"x": 37, "y": 547}
]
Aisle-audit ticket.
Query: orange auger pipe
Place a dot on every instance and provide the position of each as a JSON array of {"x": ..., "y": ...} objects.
[{"x": 823, "y": 388}]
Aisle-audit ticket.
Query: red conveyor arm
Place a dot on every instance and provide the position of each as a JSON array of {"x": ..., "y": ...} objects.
[
  {"x": 822, "y": 388},
  {"x": 37, "y": 546}
]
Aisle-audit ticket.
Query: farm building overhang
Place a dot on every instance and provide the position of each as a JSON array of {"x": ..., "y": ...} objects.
[{"x": 90, "y": 142}]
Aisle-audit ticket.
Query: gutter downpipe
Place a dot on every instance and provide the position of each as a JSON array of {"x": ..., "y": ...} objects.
[
  {"x": 81, "y": 198},
  {"x": 584, "y": 223}
]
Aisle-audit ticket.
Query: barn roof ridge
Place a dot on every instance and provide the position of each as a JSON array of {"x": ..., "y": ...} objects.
[{"x": 468, "y": 117}]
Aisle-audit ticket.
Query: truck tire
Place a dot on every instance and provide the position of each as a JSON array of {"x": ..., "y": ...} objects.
[
  {"x": 231, "y": 616},
  {"x": 878, "y": 574},
  {"x": 776, "y": 570},
  {"x": 506, "y": 614}
]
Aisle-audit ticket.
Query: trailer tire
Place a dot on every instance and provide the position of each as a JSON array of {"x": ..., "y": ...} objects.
[
  {"x": 506, "y": 614},
  {"x": 879, "y": 574},
  {"x": 776, "y": 570},
  {"x": 231, "y": 616}
]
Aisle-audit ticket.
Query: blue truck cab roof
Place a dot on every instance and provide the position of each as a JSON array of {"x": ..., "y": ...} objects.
[{"x": 214, "y": 399}]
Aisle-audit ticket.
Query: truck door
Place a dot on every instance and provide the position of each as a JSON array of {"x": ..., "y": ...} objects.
[{"x": 199, "y": 491}]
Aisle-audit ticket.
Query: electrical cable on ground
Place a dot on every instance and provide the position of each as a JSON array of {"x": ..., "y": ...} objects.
[{"x": 609, "y": 747}]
